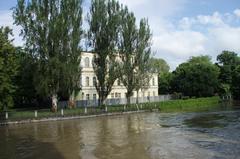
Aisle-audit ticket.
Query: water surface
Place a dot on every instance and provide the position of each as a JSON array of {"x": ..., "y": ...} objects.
[{"x": 213, "y": 135}]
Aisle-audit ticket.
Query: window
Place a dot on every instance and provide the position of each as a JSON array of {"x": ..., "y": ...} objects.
[
  {"x": 94, "y": 97},
  {"x": 119, "y": 95},
  {"x": 87, "y": 97},
  {"x": 80, "y": 82},
  {"x": 94, "y": 81},
  {"x": 153, "y": 81},
  {"x": 116, "y": 95},
  {"x": 86, "y": 60},
  {"x": 82, "y": 95},
  {"x": 112, "y": 95},
  {"x": 87, "y": 81},
  {"x": 118, "y": 82}
]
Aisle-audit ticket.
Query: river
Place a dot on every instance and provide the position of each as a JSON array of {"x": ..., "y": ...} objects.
[{"x": 202, "y": 135}]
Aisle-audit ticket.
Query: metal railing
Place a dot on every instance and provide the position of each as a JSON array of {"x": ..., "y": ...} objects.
[{"x": 115, "y": 101}]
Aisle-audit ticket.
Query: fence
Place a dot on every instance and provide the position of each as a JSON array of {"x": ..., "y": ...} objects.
[{"x": 116, "y": 101}]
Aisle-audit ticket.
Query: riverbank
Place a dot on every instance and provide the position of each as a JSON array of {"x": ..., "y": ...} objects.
[
  {"x": 29, "y": 116},
  {"x": 198, "y": 104}
]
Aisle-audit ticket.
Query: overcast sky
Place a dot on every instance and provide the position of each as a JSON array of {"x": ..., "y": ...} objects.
[{"x": 181, "y": 28}]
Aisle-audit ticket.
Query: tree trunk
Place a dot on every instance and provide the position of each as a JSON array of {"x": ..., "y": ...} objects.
[
  {"x": 54, "y": 102},
  {"x": 137, "y": 98},
  {"x": 101, "y": 100},
  {"x": 71, "y": 102},
  {"x": 128, "y": 99}
]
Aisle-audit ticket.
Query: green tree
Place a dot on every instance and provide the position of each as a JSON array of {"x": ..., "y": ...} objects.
[
  {"x": 25, "y": 95},
  {"x": 196, "y": 77},
  {"x": 8, "y": 68},
  {"x": 128, "y": 51},
  {"x": 159, "y": 65},
  {"x": 227, "y": 62},
  {"x": 164, "y": 83},
  {"x": 52, "y": 31},
  {"x": 104, "y": 22},
  {"x": 143, "y": 56},
  {"x": 235, "y": 83}
]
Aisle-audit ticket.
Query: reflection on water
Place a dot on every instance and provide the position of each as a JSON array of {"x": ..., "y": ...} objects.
[{"x": 141, "y": 136}]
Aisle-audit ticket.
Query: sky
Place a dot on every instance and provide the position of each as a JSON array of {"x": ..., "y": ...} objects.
[{"x": 180, "y": 28}]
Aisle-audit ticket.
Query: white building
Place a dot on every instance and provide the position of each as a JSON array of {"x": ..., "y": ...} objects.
[{"x": 88, "y": 79}]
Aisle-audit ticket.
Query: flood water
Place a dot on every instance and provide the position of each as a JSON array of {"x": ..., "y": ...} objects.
[{"x": 214, "y": 135}]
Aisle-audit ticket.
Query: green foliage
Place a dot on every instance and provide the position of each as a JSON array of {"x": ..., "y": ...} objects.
[
  {"x": 52, "y": 31},
  {"x": 164, "y": 83},
  {"x": 128, "y": 51},
  {"x": 197, "y": 77},
  {"x": 159, "y": 65},
  {"x": 143, "y": 55},
  {"x": 8, "y": 69},
  {"x": 104, "y": 22},
  {"x": 236, "y": 83},
  {"x": 25, "y": 95},
  {"x": 227, "y": 62},
  {"x": 134, "y": 52}
]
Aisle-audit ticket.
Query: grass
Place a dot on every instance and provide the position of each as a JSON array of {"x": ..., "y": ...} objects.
[{"x": 200, "y": 104}]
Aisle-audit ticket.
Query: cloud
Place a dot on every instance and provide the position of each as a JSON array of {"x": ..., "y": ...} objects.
[
  {"x": 155, "y": 7},
  {"x": 216, "y": 19},
  {"x": 237, "y": 12},
  {"x": 180, "y": 44},
  {"x": 198, "y": 35},
  {"x": 133, "y": 3},
  {"x": 225, "y": 38}
]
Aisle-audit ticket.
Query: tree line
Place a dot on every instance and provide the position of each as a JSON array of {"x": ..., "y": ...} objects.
[
  {"x": 47, "y": 68},
  {"x": 199, "y": 77}
]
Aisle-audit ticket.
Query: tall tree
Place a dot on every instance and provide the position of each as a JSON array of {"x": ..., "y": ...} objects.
[
  {"x": 164, "y": 83},
  {"x": 8, "y": 68},
  {"x": 128, "y": 51},
  {"x": 104, "y": 21},
  {"x": 52, "y": 31},
  {"x": 235, "y": 83},
  {"x": 143, "y": 56},
  {"x": 227, "y": 62},
  {"x": 196, "y": 77}
]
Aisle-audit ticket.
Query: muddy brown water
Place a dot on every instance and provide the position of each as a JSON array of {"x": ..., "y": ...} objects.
[{"x": 212, "y": 135}]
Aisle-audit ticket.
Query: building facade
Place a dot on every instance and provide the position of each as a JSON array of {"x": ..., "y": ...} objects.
[{"x": 88, "y": 79}]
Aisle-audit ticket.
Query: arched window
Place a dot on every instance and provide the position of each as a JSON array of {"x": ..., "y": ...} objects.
[
  {"x": 153, "y": 81},
  {"x": 118, "y": 82},
  {"x": 94, "y": 81},
  {"x": 86, "y": 60},
  {"x": 87, "y": 81}
]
